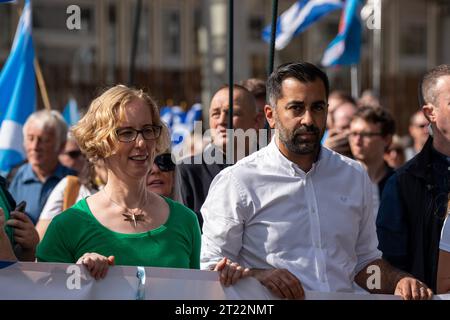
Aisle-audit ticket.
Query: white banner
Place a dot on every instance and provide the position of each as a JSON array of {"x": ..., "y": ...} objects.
[{"x": 36, "y": 281}]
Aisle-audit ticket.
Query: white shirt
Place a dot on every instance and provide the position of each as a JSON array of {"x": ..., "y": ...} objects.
[
  {"x": 55, "y": 201},
  {"x": 265, "y": 212}
]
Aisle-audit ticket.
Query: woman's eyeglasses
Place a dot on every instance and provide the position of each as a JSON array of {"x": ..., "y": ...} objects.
[
  {"x": 149, "y": 132},
  {"x": 164, "y": 162}
]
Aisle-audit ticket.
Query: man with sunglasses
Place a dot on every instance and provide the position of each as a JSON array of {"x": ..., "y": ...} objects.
[{"x": 414, "y": 201}]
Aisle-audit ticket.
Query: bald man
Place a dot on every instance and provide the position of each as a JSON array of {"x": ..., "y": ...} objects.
[{"x": 197, "y": 172}]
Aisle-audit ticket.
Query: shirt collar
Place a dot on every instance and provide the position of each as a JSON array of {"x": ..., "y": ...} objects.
[
  {"x": 30, "y": 176},
  {"x": 287, "y": 165},
  {"x": 439, "y": 158}
]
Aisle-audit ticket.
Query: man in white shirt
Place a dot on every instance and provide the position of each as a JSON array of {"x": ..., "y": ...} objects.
[{"x": 296, "y": 214}]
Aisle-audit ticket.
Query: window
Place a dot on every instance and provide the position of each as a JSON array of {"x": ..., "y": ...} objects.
[
  {"x": 172, "y": 33},
  {"x": 143, "y": 45},
  {"x": 5, "y": 29},
  {"x": 256, "y": 26}
]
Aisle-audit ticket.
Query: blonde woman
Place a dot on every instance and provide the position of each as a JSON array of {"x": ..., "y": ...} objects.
[{"x": 124, "y": 223}]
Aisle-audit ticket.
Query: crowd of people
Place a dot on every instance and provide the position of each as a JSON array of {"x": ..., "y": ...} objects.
[{"x": 334, "y": 193}]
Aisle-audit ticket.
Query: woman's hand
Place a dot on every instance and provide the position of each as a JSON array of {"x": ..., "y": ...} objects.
[{"x": 96, "y": 264}]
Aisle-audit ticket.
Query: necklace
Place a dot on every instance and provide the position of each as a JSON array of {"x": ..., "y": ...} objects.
[{"x": 129, "y": 214}]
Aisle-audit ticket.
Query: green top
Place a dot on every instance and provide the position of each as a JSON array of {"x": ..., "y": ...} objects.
[
  {"x": 4, "y": 204},
  {"x": 175, "y": 244}
]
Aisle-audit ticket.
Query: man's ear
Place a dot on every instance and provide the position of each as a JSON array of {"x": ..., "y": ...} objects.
[
  {"x": 270, "y": 115},
  {"x": 429, "y": 110}
]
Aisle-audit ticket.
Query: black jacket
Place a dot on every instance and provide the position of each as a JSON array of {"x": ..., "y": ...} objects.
[
  {"x": 195, "y": 178},
  {"x": 424, "y": 213}
]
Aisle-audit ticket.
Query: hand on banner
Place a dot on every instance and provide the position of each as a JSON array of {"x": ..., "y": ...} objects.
[
  {"x": 230, "y": 272},
  {"x": 410, "y": 288},
  {"x": 96, "y": 264},
  {"x": 280, "y": 282}
]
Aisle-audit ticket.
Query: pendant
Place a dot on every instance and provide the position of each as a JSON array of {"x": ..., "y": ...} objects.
[{"x": 132, "y": 217}]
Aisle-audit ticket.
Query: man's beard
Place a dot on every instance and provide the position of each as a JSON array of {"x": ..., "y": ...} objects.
[{"x": 295, "y": 143}]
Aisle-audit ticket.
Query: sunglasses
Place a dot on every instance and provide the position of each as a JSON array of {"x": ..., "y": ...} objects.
[
  {"x": 73, "y": 154},
  {"x": 164, "y": 162}
]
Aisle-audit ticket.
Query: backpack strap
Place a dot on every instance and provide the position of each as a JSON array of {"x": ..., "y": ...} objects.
[{"x": 71, "y": 191}]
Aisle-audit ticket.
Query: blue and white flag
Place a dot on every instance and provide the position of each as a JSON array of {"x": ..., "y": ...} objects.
[
  {"x": 345, "y": 49},
  {"x": 17, "y": 93},
  {"x": 298, "y": 18},
  {"x": 180, "y": 123},
  {"x": 71, "y": 114}
]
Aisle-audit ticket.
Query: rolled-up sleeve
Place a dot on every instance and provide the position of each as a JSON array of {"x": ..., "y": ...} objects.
[{"x": 224, "y": 218}]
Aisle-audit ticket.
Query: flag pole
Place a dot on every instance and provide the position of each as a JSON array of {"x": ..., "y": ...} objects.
[
  {"x": 39, "y": 76},
  {"x": 376, "y": 71},
  {"x": 41, "y": 83},
  {"x": 354, "y": 80},
  {"x": 272, "y": 36},
  {"x": 229, "y": 155},
  {"x": 134, "y": 45}
]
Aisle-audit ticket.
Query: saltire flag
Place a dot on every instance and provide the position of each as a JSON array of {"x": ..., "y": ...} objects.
[
  {"x": 70, "y": 113},
  {"x": 345, "y": 49},
  {"x": 17, "y": 93},
  {"x": 180, "y": 122},
  {"x": 298, "y": 18}
]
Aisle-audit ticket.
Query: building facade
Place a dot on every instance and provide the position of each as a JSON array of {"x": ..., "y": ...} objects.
[{"x": 181, "y": 53}]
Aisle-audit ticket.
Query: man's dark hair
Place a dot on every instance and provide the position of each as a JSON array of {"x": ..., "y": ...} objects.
[
  {"x": 377, "y": 115},
  {"x": 302, "y": 71},
  {"x": 429, "y": 82}
]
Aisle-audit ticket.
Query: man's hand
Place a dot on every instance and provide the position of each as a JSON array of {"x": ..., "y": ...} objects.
[
  {"x": 96, "y": 264},
  {"x": 280, "y": 282},
  {"x": 25, "y": 233},
  {"x": 394, "y": 281},
  {"x": 410, "y": 288},
  {"x": 230, "y": 272},
  {"x": 6, "y": 251}
]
